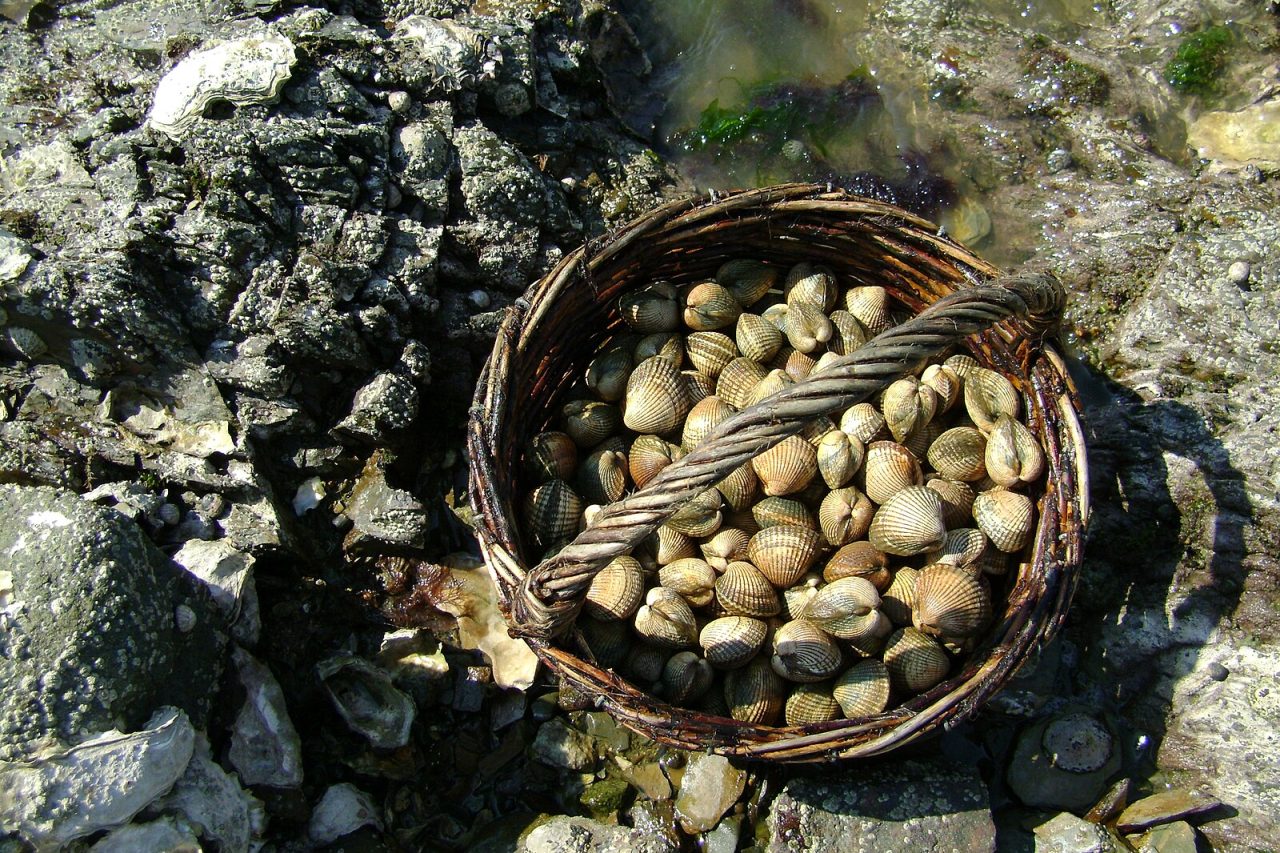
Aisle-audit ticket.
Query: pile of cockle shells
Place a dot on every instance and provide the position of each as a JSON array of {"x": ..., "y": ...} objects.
[{"x": 845, "y": 568}]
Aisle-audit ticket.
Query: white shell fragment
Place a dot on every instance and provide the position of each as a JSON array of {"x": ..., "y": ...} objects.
[
  {"x": 248, "y": 70},
  {"x": 212, "y": 799},
  {"x": 99, "y": 784},
  {"x": 265, "y": 747},
  {"x": 15, "y": 256},
  {"x": 453, "y": 56},
  {"x": 342, "y": 810},
  {"x": 366, "y": 699}
]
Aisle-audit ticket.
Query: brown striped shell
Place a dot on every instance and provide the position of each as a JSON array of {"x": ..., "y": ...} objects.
[
  {"x": 669, "y": 345},
  {"x": 798, "y": 365},
  {"x": 672, "y": 545},
  {"x": 961, "y": 364},
  {"x": 608, "y": 372},
  {"x": 738, "y": 380},
  {"x": 786, "y": 467},
  {"x": 730, "y": 641},
  {"x": 657, "y": 398},
  {"x": 773, "y": 382},
  {"x": 699, "y": 385},
  {"x": 757, "y": 338},
  {"x": 950, "y": 602},
  {"x": 844, "y": 516},
  {"x": 897, "y": 601},
  {"x": 847, "y": 609},
  {"x": 705, "y": 416},
  {"x": 908, "y": 523},
  {"x": 692, "y": 578},
  {"x": 849, "y": 333},
  {"x": 709, "y": 306},
  {"x": 839, "y": 456},
  {"x": 1013, "y": 456},
  {"x": 700, "y": 516},
  {"x": 811, "y": 703},
  {"x": 644, "y": 663},
  {"x": 589, "y": 422},
  {"x": 987, "y": 396},
  {"x": 863, "y": 421},
  {"x": 772, "y": 511},
  {"x": 551, "y": 455},
  {"x": 685, "y": 677},
  {"x": 1008, "y": 518},
  {"x": 959, "y": 454},
  {"x": 551, "y": 512},
  {"x": 870, "y": 305},
  {"x": 889, "y": 468},
  {"x": 907, "y": 406},
  {"x": 813, "y": 284},
  {"x": 922, "y": 439},
  {"x": 962, "y": 547},
  {"x": 748, "y": 280},
  {"x": 743, "y": 590},
  {"x": 862, "y": 689},
  {"x": 804, "y": 652},
  {"x": 728, "y": 546},
  {"x": 648, "y": 455},
  {"x": 602, "y": 478},
  {"x": 944, "y": 382},
  {"x": 740, "y": 488},
  {"x": 915, "y": 662},
  {"x": 709, "y": 352},
  {"x": 755, "y": 693},
  {"x": 807, "y": 328},
  {"x": 784, "y": 553},
  {"x": 653, "y": 308},
  {"x": 666, "y": 620},
  {"x": 859, "y": 560},
  {"x": 957, "y": 501},
  {"x": 616, "y": 591}
]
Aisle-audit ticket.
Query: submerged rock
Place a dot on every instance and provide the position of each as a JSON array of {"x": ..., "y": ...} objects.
[{"x": 342, "y": 810}]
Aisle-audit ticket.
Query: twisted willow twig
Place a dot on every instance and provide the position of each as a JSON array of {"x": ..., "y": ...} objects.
[{"x": 552, "y": 593}]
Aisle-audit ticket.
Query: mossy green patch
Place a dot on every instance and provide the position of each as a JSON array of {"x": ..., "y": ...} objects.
[{"x": 1199, "y": 60}]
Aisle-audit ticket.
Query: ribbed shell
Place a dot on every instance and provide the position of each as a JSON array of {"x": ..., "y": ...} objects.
[
  {"x": 950, "y": 603},
  {"x": 786, "y": 467},
  {"x": 740, "y": 488},
  {"x": 915, "y": 662},
  {"x": 833, "y": 606},
  {"x": 777, "y": 315},
  {"x": 871, "y": 306},
  {"x": 700, "y": 516},
  {"x": 709, "y": 306},
  {"x": 702, "y": 419},
  {"x": 755, "y": 693},
  {"x": 551, "y": 455},
  {"x": 813, "y": 284},
  {"x": 839, "y": 456},
  {"x": 944, "y": 382},
  {"x": 957, "y": 501},
  {"x": 645, "y": 662},
  {"x": 608, "y": 642},
  {"x": 807, "y": 327},
  {"x": 849, "y": 333},
  {"x": 863, "y": 421},
  {"x": 804, "y": 652},
  {"x": 784, "y": 553},
  {"x": 698, "y": 385},
  {"x": 908, "y": 523},
  {"x": 665, "y": 619},
  {"x": 824, "y": 361},
  {"x": 811, "y": 703},
  {"x": 673, "y": 545},
  {"x": 616, "y": 591},
  {"x": 844, "y": 516},
  {"x": 692, "y": 578},
  {"x": 748, "y": 280},
  {"x": 709, "y": 352},
  {"x": 654, "y": 308},
  {"x": 908, "y": 406},
  {"x": 757, "y": 338},
  {"x": 608, "y": 372},
  {"x": 1013, "y": 456},
  {"x": 729, "y": 545},
  {"x": 959, "y": 454},
  {"x": 922, "y": 439},
  {"x": 889, "y": 468},
  {"x": 1008, "y": 518},
  {"x": 774, "y": 381},
  {"x": 552, "y": 511},
  {"x": 897, "y": 601},
  {"x": 669, "y": 345},
  {"x": 862, "y": 689},
  {"x": 657, "y": 398},
  {"x": 987, "y": 396},
  {"x": 685, "y": 677},
  {"x": 589, "y": 422},
  {"x": 962, "y": 547},
  {"x": 737, "y": 380},
  {"x": 649, "y": 454},
  {"x": 859, "y": 560},
  {"x": 796, "y": 598},
  {"x": 798, "y": 365},
  {"x": 743, "y": 520},
  {"x": 770, "y": 512},
  {"x": 745, "y": 591},
  {"x": 602, "y": 479},
  {"x": 730, "y": 641}
]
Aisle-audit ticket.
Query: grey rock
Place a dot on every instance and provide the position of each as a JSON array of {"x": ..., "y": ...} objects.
[
  {"x": 709, "y": 788},
  {"x": 724, "y": 838},
  {"x": 265, "y": 747},
  {"x": 911, "y": 805},
  {"x": 342, "y": 810},
  {"x": 582, "y": 835},
  {"x": 561, "y": 746},
  {"x": 228, "y": 574},
  {"x": 383, "y": 407},
  {"x": 132, "y": 500},
  {"x": 212, "y": 800},
  {"x": 165, "y": 833},
  {"x": 1066, "y": 833},
  {"x": 92, "y": 643},
  {"x": 422, "y": 157},
  {"x": 381, "y": 513},
  {"x": 15, "y": 256},
  {"x": 1063, "y": 762},
  {"x": 1179, "y": 837}
]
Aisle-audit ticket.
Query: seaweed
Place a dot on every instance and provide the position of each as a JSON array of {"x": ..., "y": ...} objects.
[{"x": 1199, "y": 60}]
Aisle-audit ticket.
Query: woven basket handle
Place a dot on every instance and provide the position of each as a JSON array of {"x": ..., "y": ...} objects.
[{"x": 552, "y": 593}]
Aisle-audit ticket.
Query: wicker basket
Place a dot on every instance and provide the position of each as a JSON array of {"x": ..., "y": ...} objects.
[{"x": 546, "y": 340}]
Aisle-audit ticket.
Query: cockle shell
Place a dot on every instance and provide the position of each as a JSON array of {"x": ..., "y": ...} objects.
[
  {"x": 648, "y": 455},
  {"x": 608, "y": 372},
  {"x": 796, "y": 597},
  {"x": 552, "y": 511},
  {"x": 897, "y": 601},
  {"x": 672, "y": 545},
  {"x": 847, "y": 609},
  {"x": 987, "y": 396},
  {"x": 551, "y": 455},
  {"x": 740, "y": 488},
  {"x": 770, "y": 512},
  {"x": 616, "y": 591},
  {"x": 849, "y": 333},
  {"x": 653, "y": 308},
  {"x": 798, "y": 365},
  {"x": 666, "y": 620},
  {"x": 709, "y": 352},
  {"x": 602, "y": 478},
  {"x": 991, "y": 562},
  {"x": 709, "y": 306},
  {"x": 755, "y": 693},
  {"x": 727, "y": 546},
  {"x": 657, "y": 399},
  {"x": 957, "y": 501},
  {"x": 692, "y": 578},
  {"x": 804, "y": 652},
  {"x": 669, "y": 345},
  {"x": 607, "y": 642},
  {"x": 705, "y": 416},
  {"x": 1013, "y": 456},
  {"x": 862, "y": 689},
  {"x": 784, "y": 553},
  {"x": 589, "y": 422},
  {"x": 827, "y": 359},
  {"x": 787, "y": 466},
  {"x": 945, "y": 383},
  {"x": 961, "y": 365},
  {"x": 747, "y": 280},
  {"x": 811, "y": 703},
  {"x": 685, "y": 677},
  {"x": 757, "y": 338},
  {"x": 743, "y": 520},
  {"x": 861, "y": 560},
  {"x": 889, "y": 468},
  {"x": 922, "y": 439},
  {"x": 738, "y": 380},
  {"x": 743, "y": 590},
  {"x": 712, "y": 702},
  {"x": 807, "y": 328},
  {"x": 870, "y": 305},
  {"x": 812, "y": 284},
  {"x": 773, "y": 382},
  {"x": 698, "y": 385},
  {"x": 915, "y": 662},
  {"x": 962, "y": 547},
  {"x": 1008, "y": 518},
  {"x": 644, "y": 663},
  {"x": 908, "y": 406},
  {"x": 844, "y": 516},
  {"x": 959, "y": 454},
  {"x": 950, "y": 602},
  {"x": 863, "y": 421},
  {"x": 908, "y": 523},
  {"x": 700, "y": 516},
  {"x": 839, "y": 456},
  {"x": 730, "y": 641}
]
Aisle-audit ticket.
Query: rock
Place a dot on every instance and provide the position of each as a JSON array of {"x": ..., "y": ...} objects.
[
  {"x": 166, "y": 834},
  {"x": 250, "y": 69},
  {"x": 470, "y": 686},
  {"x": 15, "y": 256},
  {"x": 579, "y": 834},
  {"x": 1112, "y": 803},
  {"x": 648, "y": 778},
  {"x": 211, "y": 799},
  {"x": 710, "y": 787},
  {"x": 908, "y": 805},
  {"x": 724, "y": 838},
  {"x": 1066, "y": 833},
  {"x": 561, "y": 746},
  {"x": 90, "y": 642},
  {"x": 1164, "y": 807},
  {"x": 342, "y": 810},
  {"x": 415, "y": 661},
  {"x": 603, "y": 799},
  {"x": 1063, "y": 762},
  {"x": 228, "y": 574},
  {"x": 1178, "y": 837},
  {"x": 265, "y": 748},
  {"x": 386, "y": 405},
  {"x": 1235, "y": 138},
  {"x": 657, "y": 818},
  {"x": 65, "y": 794},
  {"x": 446, "y": 55},
  {"x": 367, "y": 701},
  {"x": 613, "y": 736},
  {"x": 382, "y": 514}
]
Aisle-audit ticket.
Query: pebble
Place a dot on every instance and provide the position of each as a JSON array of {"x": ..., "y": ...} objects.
[
  {"x": 560, "y": 746},
  {"x": 1178, "y": 837},
  {"x": 724, "y": 838},
  {"x": 612, "y": 736},
  {"x": 647, "y": 778},
  {"x": 603, "y": 799},
  {"x": 469, "y": 688},
  {"x": 342, "y": 810},
  {"x": 1063, "y": 762},
  {"x": 399, "y": 101},
  {"x": 1078, "y": 743},
  {"x": 1066, "y": 833},
  {"x": 710, "y": 787},
  {"x": 1164, "y": 807},
  {"x": 1059, "y": 160},
  {"x": 544, "y": 707},
  {"x": 479, "y": 299},
  {"x": 1238, "y": 272},
  {"x": 1217, "y": 671}
]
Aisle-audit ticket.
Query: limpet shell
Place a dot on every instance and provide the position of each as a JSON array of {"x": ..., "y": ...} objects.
[
  {"x": 915, "y": 662},
  {"x": 731, "y": 641},
  {"x": 862, "y": 689},
  {"x": 709, "y": 352},
  {"x": 665, "y": 619},
  {"x": 748, "y": 280},
  {"x": 709, "y": 306},
  {"x": 738, "y": 380},
  {"x": 889, "y": 468},
  {"x": 787, "y": 466},
  {"x": 743, "y": 590},
  {"x": 757, "y": 338},
  {"x": 1013, "y": 456},
  {"x": 1008, "y": 518},
  {"x": 908, "y": 523},
  {"x": 811, "y": 703},
  {"x": 552, "y": 511},
  {"x": 657, "y": 398},
  {"x": 589, "y": 422},
  {"x": 653, "y": 308},
  {"x": 616, "y": 591},
  {"x": 804, "y": 652},
  {"x": 861, "y": 560},
  {"x": 845, "y": 515},
  {"x": 950, "y": 602},
  {"x": 959, "y": 454},
  {"x": 755, "y": 693},
  {"x": 692, "y": 578},
  {"x": 551, "y": 455},
  {"x": 784, "y": 553}
]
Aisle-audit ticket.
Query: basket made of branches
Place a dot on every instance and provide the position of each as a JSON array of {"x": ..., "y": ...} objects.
[{"x": 961, "y": 303}]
